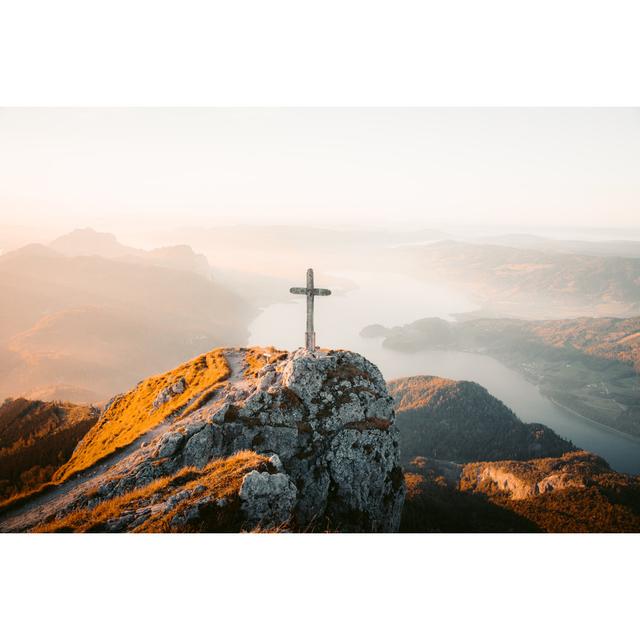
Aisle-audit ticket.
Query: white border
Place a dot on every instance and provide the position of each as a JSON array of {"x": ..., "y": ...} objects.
[
  {"x": 319, "y": 586},
  {"x": 330, "y": 53}
]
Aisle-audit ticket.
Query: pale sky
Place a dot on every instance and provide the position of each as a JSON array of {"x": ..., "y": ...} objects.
[{"x": 425, "y": 167}]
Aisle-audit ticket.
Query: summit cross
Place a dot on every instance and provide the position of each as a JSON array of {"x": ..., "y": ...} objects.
[{"x": 310, "y": 292}]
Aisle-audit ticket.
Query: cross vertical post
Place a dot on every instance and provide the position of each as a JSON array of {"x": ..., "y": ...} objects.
[{"x": 310, "y": 291}]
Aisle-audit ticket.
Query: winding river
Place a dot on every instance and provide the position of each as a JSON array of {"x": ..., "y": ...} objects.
[{"x": 393, "y": 299}]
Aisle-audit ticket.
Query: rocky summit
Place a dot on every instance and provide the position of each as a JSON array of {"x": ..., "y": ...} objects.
[{"x": 301, "y": 441}]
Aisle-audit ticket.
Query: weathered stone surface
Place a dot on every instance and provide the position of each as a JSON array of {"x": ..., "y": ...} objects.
[
  {"x": 170, "y": 443},
  {"x": 326, "y": 420},
  {"x": 520, "y": 480},
  {"x": 267, "y": 499},
  {"x": 197, "y": 451},
  {"x": 169, "y": 392}
]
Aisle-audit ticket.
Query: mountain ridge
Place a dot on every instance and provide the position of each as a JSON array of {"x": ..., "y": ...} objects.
[
  {"x": 88, "y": 242},
  {"x": 462, "y": 422},
  {"x": 531, "y": 283}
]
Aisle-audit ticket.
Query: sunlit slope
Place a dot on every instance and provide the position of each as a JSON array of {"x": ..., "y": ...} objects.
[
  {"x": 36, "y": 438},
  {"x": 147, "y": 406},
  {"x": 575, "y": 493},
  {"x": 220, "y": 481}
]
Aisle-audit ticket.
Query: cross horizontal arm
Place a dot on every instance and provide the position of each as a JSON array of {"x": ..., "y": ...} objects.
[{"x": 304, "y": 291}]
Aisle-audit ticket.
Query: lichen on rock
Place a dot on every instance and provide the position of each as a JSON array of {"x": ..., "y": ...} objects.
[
  {"x": 325, "y": 420},
  {"x": 171, "y": 390},
  {"x": 267, "y": 499}
]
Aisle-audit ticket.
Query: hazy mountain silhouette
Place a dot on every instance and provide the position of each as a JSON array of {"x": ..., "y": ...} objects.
[
  {"x": 99, "y": 324},
  {"x": 87, "y": 242},
  {"x": 529, "y": 282}
]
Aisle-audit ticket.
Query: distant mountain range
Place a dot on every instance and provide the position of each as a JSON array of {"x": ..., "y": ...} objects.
[
  {"x": 530, "y": 282},
  {"x": 87, "y": 242},
  {"x": 83, "y": 327},
  {"x": 613, "y": 248},
  {"x": 279, "y": 249}
]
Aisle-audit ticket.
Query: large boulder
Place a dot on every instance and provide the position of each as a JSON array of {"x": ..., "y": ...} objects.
[{"x": 326, "y": 421}]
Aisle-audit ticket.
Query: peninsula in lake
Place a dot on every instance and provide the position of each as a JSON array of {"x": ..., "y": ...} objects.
[{"x": 587, "y": 365}]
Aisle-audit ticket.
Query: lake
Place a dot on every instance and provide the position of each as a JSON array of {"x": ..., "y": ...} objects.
[{"x": 394, "y": 299}]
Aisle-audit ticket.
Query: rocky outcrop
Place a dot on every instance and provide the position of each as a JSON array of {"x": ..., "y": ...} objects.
[
  {"x": 521, "y": 480},
  {"x": 243, "y": 491},
  {"x": 324, "y": 419},
  {"x": 267, "y": 499},
  {"x": 575, "y": 492},
  {"x": 169, "y": 392}
]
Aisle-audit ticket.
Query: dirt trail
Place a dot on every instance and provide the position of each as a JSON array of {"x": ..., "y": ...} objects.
[
  {"x": 28, "y": 515},
  {"x": 45, "y": 505}
]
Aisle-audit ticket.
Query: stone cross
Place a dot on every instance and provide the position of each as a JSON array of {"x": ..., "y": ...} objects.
[{"x": 310, "y": 292}]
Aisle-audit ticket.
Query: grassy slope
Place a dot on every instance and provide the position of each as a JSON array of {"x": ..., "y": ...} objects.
[
  {"x": 36, "y": 438},
  {"x": 432, "y": 505},
  {"x": 596, "y": 509},
  {"x": 133, "y": 414},
  {"x": 221, "y": 478}
]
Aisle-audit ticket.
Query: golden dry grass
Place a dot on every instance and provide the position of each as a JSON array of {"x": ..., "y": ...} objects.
[
  {"x": 221, "y": 478},
  {"x": 588, "y": 510},
  {"x": 575, "y": 464},
  {"x": 413, "y": 482},
  {"x": 133, "y": 414},
  {"x": 258, "y": 357},
  {"x": 418, "y": 391},
  {"x": 36, "y": 438}
]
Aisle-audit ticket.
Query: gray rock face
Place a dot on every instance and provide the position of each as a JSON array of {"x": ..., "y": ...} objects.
[
  {"x": 325, "y": 418},
  {"x": 268, "y": 500}
]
